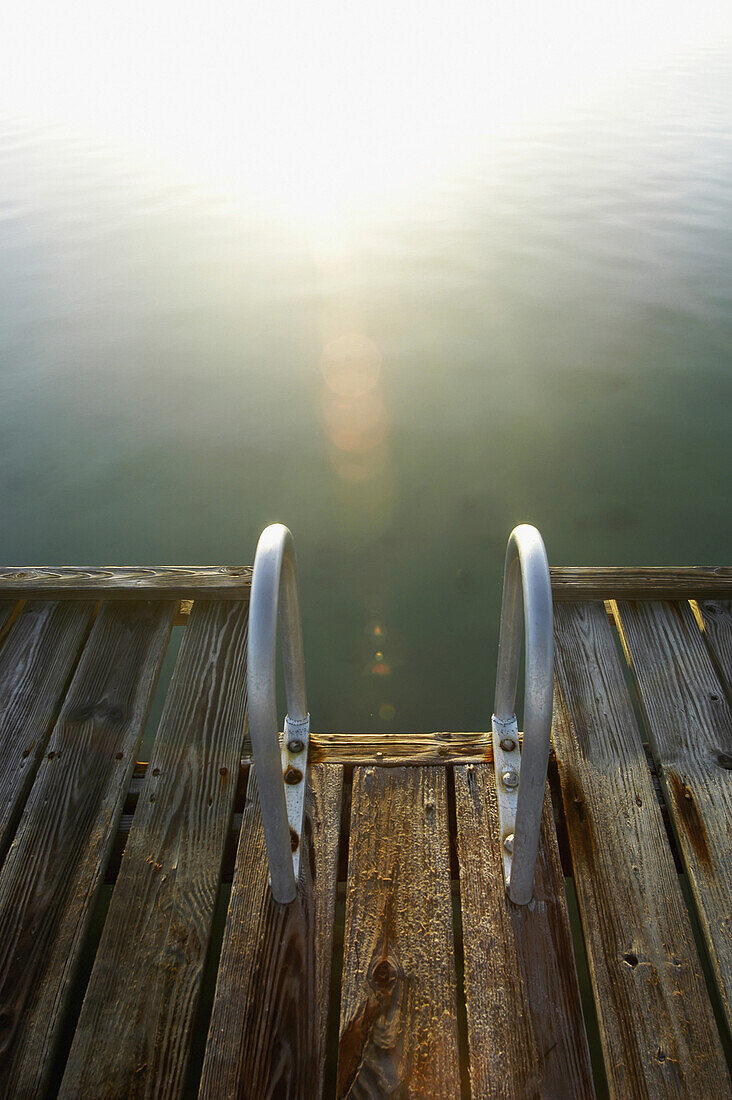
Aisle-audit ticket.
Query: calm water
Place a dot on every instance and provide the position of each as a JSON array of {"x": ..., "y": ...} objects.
[{"x": 540, "y": 334}]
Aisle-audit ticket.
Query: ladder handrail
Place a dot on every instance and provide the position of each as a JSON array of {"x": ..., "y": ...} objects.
[
  {"x": 274, "y": 598},
  {"x": 527, "y": 588}
]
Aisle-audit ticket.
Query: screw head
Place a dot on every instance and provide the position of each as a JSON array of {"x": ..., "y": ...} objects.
[
  {"x": 295, "y": 746},
  {"x": 292, "y": 776},
  {"x": 508, "y": 744},
  {"x": 508, "y": 843},
  {"x": 509, "y": 778}
]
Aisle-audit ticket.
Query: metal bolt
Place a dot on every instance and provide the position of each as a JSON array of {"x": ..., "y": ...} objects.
[
  {"x": 293, "y": 775},
  {"x": 295, "y": 746},
  {"x": 510, "y": 778},
  {"x": 508, "y": 843},
  {"x": 508, "y": 744}
]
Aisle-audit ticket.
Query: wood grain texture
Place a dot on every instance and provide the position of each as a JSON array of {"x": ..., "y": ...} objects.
[
  {"x": 391, "y": 750},
  {"x": 134, "y": 1033},
  {"x": 269, "y": 1019},
  {"x": 132, "y": 582},
  {"x": 398, "y": 1031},
  {"x": 654, "y": 582},
  {"x": 717, "y": 621},
  {"x": 526, "y": 1031},
  {"x": 656, "y": 1023},
  {"x": 50, "y": 878},
  {"x": 689, "y": 724},
  {"x": 398, "y": 750},
  {"x": 36, "y": 663}
]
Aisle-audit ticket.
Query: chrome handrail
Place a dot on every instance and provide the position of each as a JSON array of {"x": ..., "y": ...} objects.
[
  {"x": 281, "y": 775},
  {"x": 521, "y": 776}
]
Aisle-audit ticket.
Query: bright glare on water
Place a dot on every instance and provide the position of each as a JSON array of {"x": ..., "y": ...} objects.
[{"x": 400, "y": 276}]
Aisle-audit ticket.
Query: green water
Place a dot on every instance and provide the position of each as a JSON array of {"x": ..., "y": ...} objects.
[{"x": 540, "y": 333}]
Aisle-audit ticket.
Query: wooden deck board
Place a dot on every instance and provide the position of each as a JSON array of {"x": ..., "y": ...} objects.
[
  {"x": 525, "y": 1026},
  {"x": 36, "y": 664},
  {"x": 268, "y": 1025},
  {"x": 689, "y": 724},
  {"x": 398, "y": 1030},
  {"x": 398, "y": 750},
  {"x": 399, "y": 995},
  {"x": 133, "y": 582},
  {"x": 656, "y": 1023},
  {"x": 655, "y": 582},
  {"x": 56, "y": 863},
  {"x": 134, "y": 1033}
]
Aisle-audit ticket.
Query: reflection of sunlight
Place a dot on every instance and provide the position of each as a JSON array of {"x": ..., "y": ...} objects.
[
  {"x": 314, "y": 108},
  {"x": 351, "y": 364}
]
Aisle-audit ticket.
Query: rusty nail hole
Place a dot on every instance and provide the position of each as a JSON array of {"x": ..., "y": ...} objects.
[
  {"x": 26, "y": 753},
  {"x": 660, "y": 1055},
  {"x": 119, "y": 756},
  {"x": 714, "y": 697},
  {"x": 631, "y": 959},
  {"x": 638, "y": 800},
  {"x": 223, "y": 771},
  {"x": 294, "y": 840},
  {"x": 384, "y": 973},
  {"x": 156, "y": 771},
  {"x": 293, "y": 775},
  {"x": 51, "y": 755},
  {"x": 676, "y": 961}
]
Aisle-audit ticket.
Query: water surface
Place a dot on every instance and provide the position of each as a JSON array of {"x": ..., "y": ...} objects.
[{"x": 537, "y": 331}]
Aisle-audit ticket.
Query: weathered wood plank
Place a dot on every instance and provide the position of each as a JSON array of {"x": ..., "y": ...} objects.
[
  {"x": 398, "y": 1030},
  {"x": 56, "y": 862},
  {"x": 134, "y": 1033},
  {"x": 398, "y": 750},
  {"x": 652, "y": 582},
  {"x": 656, "y": 1023},
  {"x": 217, "y": 582},
  {"x": 526, "y": 1031},
  {"x": 268, "y": 1025},
  {"x": 689, "y": 725},
  {"x": 717, "y": 625},
  {"x": 36, "y": 663},
  {"x": 127, "y": 582}
]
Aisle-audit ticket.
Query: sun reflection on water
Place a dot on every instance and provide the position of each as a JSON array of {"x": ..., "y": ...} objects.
[{"x": 316, "y": 110}]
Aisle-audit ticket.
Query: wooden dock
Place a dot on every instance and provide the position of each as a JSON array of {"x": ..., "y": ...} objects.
[{"x": 141, "y": 952}]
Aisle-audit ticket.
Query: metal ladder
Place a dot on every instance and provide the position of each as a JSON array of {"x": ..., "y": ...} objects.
[{"x": 520, "y": 772}]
